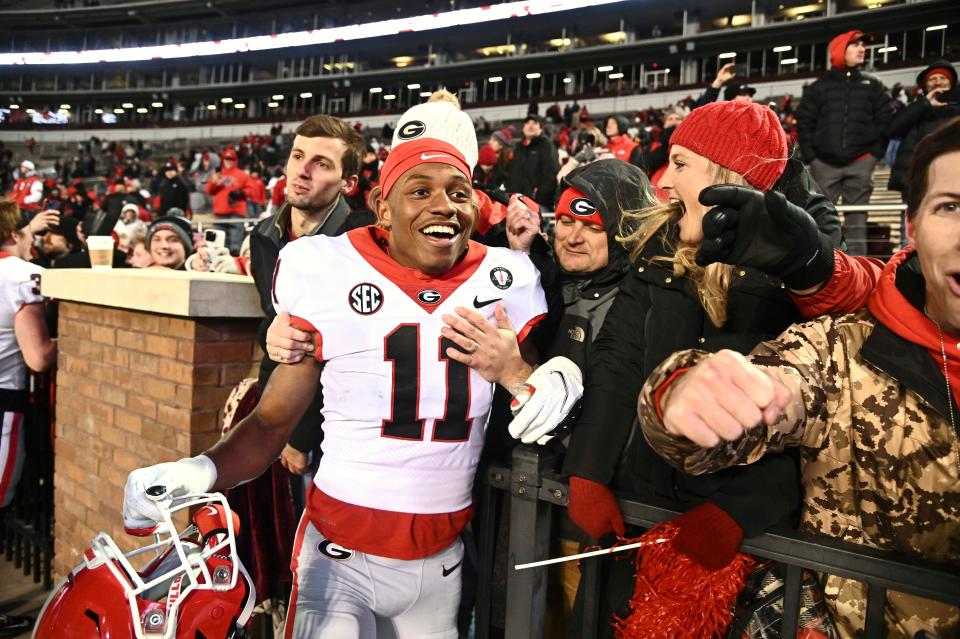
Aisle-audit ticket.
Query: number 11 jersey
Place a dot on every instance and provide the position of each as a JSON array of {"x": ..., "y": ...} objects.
[{"x": 403, "y": 423}]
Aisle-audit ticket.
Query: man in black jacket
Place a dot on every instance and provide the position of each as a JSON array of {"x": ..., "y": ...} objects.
[
  {"x": 535, "y": 164},
  {"x": 841, "y": 122},
  {"x": 172, "y": 190},
  {"x": 323, "y": 165}
]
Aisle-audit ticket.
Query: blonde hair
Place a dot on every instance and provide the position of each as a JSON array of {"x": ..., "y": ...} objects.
[
  {"x": 9, "y": 220},
  {"x": 712, "y": 283},
  {"x": 442, "y": 95}
]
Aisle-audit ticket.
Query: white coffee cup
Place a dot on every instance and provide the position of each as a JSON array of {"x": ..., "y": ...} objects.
[{"x": 100, "y": 248}]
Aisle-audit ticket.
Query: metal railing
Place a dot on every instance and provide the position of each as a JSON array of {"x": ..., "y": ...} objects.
[
  {"x": 534, "y": 489},
  {"x": 26, "y": 536}
]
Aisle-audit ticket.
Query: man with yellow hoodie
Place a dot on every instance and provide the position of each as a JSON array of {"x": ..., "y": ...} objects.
[{"x": 841, "y": 122}]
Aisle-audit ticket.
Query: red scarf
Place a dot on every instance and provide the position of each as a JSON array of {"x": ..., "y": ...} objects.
[{"x": 889, "y": 306}]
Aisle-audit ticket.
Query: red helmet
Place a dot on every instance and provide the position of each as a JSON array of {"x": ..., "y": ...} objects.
[{"x": 195, "y": 586}]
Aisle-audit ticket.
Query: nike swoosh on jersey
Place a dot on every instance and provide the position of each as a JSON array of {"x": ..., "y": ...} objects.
[
  {"x": 424, "y": 156},
  {"x": 478, "y": 304},
  {"x": 447, "y": 571}
]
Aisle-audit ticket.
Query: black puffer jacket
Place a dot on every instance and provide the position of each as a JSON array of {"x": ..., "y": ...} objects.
[
  {"x": 654, "y": 315},
  {"x": 842, "y": 116},
  {"x": 911, "y": 125},
  {"x": 533, "y": 171}
]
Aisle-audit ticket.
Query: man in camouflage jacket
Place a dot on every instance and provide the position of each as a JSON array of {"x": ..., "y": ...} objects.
[{"x": 869, "y": 398}]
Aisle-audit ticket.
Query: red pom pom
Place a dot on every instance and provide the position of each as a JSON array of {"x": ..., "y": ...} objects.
[{"x": 676, "y": 598}]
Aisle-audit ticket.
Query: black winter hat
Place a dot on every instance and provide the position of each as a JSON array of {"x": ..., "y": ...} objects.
[
  {"x": 622, "y": 123},
  {"x": 613, "y": 186},
  {"x": 67, "y": 227},
  {"x": 179, "y": 225}
]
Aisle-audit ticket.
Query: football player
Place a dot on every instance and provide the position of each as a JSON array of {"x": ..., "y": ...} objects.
[{"x": 377, "y": 552}]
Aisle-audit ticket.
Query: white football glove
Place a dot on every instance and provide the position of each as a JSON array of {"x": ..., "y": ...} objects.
[
  {"x": 188, "y": 476},
  {"x": 554, "y": 389}
]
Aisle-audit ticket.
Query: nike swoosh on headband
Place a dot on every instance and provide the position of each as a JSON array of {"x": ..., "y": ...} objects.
[{"x": 424, "y": 156}]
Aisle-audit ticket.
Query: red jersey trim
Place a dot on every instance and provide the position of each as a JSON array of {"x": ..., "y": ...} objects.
[
  {"x": 383, "y": 532},
  {"x": 522, "y": 335},
  {"x": 370, "y": 242},
  {"x": 4, "y": 254},
  {"x": 303, "y": 325}
]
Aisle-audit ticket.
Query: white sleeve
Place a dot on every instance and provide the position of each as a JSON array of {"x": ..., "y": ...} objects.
[
  {"x": 289, "y": 285},
  {"x": 525, "y": 301},
  {"x": 22, "y": 292},
  {"x": 36, "y": 193}
]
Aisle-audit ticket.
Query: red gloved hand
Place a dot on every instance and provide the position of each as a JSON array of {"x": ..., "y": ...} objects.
[
  {"x": 707, "y": 535},
  {"x": 594, "y": 509}
]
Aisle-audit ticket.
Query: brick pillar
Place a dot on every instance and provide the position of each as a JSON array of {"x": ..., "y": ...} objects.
[{"x": 134, "y": 389}]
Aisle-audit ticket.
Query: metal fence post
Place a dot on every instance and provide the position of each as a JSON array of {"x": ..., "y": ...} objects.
[{"x": 529, "y": 541}]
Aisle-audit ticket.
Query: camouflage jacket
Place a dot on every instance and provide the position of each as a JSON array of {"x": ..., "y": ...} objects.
[{"x": 880, "y": 460}]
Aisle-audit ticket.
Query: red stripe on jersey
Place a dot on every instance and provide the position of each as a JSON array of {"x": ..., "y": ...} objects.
[
  {"x": 294, "y": 563},
  {"x": 303, "y": 325},
  {"x": 384, "y": 532},
  {"x": 273, "y": 282},
  {"x": 371, "y": 243},
  {"x": 522, "y": 335}
]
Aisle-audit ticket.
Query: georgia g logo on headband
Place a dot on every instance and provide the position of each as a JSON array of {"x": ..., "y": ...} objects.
[
  {"x": 582, "y": 207},
  {"x": 412, "y": 129}
]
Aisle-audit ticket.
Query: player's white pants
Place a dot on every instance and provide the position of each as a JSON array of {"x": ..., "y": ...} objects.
[
  {"x": 343, "y": 594},
  {"x": 11, "y": 455}
]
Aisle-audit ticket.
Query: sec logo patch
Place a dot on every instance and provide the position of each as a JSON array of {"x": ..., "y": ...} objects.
[
  {"x": 501, "y": 278},
  {"x": 365, "y": 298}
]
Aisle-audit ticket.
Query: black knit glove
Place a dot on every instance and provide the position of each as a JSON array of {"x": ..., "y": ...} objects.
[
  {"x": 763, "y": 230},
  {"x": 235, "y": 196}
]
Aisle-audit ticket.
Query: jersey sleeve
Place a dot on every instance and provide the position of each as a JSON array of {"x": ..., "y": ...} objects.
[
  {"x": 289, "y": 289},
  {"x": 525, "y": 303},
  {"x": 23, "y": 290}
]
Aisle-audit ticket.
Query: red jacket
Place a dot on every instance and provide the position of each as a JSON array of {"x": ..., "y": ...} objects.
[
  {"x": 230, "y": 180},
  {"x": 22, "y": 190},
  {"x": 622, "y": 147}
]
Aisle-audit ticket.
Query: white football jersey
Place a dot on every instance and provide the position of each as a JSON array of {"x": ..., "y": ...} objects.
[
  {"x": 403, "y": 423},
  {"x": 19, "y": 285}
]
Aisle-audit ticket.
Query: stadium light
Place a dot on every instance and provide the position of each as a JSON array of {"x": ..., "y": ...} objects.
[
  {"x": 533, "y": 76},
  {"x": 937, "y": 27},
  {"x": 390, "y": 96},
  {"x": 277, "y": 97},
  {"x": 65, "y": 106},
  {"x": 30, "y": 111},
  {"x": 14, "y": 107},
  {"x": 413, "y": 86},
  {"x": 127, "y": 105},
  {"x": 306, "y": 94},
  {"x": 211, "y": 107},
  {"x": 783, "y": 48},
  {"x": 615, "y": 76},
  {"x": 380, "y": 28},
  {"x": 376, "y": 89},
  {"x": 886, "y": 50},
  {"x": 425, "y": 94},
  {"x": 605, "y": 68},
  {"x": 273, "y": 105},
  {"x": 728, "y": 54},
  {"x": 157, "y": 105},
  {"x": 789, "y": 61},
  {"x": 226, "y": 100},
  {"x": 143, "y": 110},
  {"x": 119, "y": 111},
  {"x": 98, "y": 111},
  {"x": 239, "y": 105},
  {"x": 567, "y": 80},
  {"x": 495, "y": 78}
]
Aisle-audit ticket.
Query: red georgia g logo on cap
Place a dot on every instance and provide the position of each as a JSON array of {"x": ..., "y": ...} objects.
[{"x": 582, "y": 207}]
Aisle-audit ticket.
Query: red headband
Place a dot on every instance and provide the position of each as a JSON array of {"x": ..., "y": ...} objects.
[
  {"x": 405, "y": 156},
  {"x": 578, "y": 206}
]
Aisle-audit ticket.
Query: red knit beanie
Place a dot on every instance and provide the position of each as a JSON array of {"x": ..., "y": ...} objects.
[{"x": 745, "y": 137}]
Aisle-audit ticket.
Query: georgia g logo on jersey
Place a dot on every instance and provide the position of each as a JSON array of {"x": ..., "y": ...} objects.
[
  {"x": 412, "y": 129},
  {"x": 582, "y": 207},
  {"x": 366, "y": 299}
]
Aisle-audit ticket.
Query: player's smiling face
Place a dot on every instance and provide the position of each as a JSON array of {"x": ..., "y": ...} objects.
[{"x": 431, "y": 215}]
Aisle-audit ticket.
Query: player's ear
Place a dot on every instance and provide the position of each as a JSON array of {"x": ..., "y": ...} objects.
[{"x": 378, "y": 204}]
